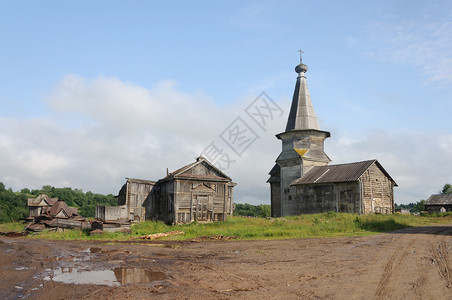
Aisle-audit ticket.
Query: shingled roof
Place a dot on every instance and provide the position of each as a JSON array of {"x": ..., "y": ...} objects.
[
  {"x": 339, "y": 173},
  {"x": 439, "y": 199}
]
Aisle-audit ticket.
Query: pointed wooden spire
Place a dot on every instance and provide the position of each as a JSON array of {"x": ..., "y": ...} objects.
[{"x": 302, "y": 115}]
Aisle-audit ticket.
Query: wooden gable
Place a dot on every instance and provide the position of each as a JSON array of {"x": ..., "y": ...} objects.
[
  {"x": 61, "y": 214},
  {"x": 204, "y": 187},
  {"x": 203, "y": 170}
]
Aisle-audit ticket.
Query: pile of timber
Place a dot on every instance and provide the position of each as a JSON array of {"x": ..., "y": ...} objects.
[
  {"x": 43, "y": 222},
  {"x": 122, "y": 225},
  {"x": 219, "y": 237},
  {"x": 160, "y": 235}
]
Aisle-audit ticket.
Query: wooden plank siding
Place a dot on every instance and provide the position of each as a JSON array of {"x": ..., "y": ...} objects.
[
  {"x": 196, "y": 192},
  {"x": 377, "y": 189}
]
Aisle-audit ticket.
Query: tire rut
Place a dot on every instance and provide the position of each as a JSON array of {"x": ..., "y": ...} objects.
[
  {"x": 440, "y": 256},
  {"x": 391, "y": 267}
]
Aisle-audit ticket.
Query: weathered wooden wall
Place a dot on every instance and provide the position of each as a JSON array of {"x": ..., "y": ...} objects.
[
  {"x": 319, "y": 198},
  {"x": 275, "y": 193},
  {"x": 377, "y": 189}
]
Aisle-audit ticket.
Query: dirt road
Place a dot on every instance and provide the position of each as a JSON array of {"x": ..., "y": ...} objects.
[{"x": 414, "y": 263}]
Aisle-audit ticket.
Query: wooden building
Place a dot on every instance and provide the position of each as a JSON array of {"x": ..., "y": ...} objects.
[
  {"x": 38, "y": 205},
  {"x": 360, "y": 187},
  {"x": 439, "y": 203},
  {"x": 131, "y": 199},
  {"x": 133, "y": 194},
  {"x": 198, "y": 191},
  {"x": 52, "y": 207},
  {"x": 302, "y": 181}
]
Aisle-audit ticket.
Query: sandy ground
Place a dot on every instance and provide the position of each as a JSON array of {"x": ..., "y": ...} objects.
[{"x": 414, "y": 263}]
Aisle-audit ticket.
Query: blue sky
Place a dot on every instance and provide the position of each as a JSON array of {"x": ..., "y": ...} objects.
[{"x": 96, "y": 91}]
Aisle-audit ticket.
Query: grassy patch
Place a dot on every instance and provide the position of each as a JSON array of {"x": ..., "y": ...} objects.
[
  {"x": 303, "y": 226},
  {"x": 12, "y": 226}
]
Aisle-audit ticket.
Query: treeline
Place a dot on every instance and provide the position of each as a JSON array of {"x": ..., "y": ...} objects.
[
  {"x": 13, "y": 205},
  {"x": 419, "y": 206},
  {"x": 413, "y": 207},
  {"x": 261, "y": 210}
]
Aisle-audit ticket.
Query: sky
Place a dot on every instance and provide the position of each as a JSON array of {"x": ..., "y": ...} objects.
[{"x": 93, "y": 92}]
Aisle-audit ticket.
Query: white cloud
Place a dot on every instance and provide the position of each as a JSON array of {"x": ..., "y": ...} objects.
[
  {"x": 419, "y": 162},
  {"x": 420, "y": 43},
  {"x": 105, "y": 129}
]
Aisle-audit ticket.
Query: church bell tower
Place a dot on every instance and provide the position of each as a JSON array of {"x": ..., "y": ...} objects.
[{"x": 302, "y": 147}]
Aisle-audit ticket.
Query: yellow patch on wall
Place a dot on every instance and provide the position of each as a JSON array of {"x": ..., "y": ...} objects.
[{"x": 301, "y": 152}]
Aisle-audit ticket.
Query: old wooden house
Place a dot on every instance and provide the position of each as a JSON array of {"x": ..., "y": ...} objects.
[
  {"x": 439, "y": 203},
  {"x": 38, "y": 205},
  {"x": 302, "y": 181},
  {"x": 131, "y": 199},
  {"x": 198, "y": 191},
  {"x": 52, "y": 207}
]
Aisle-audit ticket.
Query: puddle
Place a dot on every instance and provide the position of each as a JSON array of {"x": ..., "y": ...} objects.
[
  {"x": 115, "y": 277},
  {"x": 137, "y": 275},
  {"x": 76, "y": 276},
  {"x": 95, "y": 249},
  {"x": 165, "y": 246}
]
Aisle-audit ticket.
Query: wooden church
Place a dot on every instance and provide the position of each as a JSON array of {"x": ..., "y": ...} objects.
[{"x": 302, "y": 180}]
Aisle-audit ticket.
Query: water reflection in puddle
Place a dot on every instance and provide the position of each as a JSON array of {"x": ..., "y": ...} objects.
[
  {"x": 172, "y": 246},
  {"x": 115, "y": 277},
  {"x": 136, "y": 275}
]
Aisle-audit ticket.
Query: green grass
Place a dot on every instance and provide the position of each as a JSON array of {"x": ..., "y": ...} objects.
[
  {"x": 303, "y": 226},
  {"x": 11, "y": 226}
]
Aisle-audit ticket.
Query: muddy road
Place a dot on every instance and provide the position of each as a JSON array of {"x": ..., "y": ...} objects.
[{"x": 414, "y": 263}]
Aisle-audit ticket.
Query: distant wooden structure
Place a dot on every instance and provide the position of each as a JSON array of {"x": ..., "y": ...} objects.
[
  {"x": 439, "y": 203},
  {"x": 302, "y": 181},
  {"x": 198, "y": 191}
]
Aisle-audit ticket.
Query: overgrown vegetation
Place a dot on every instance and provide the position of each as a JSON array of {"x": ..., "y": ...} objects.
[
  {"x": 303, "y": 226},
  {"x": 262, "y": 210},
  {"x": 13, "y": 205}
]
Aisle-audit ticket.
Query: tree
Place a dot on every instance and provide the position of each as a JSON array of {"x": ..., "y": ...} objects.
[
  {"x": 25, "y": 191},
  {"x": 447, "y": 189},
  {"x": 265, "y": 210},
  {"x": 419, "y": 206}
]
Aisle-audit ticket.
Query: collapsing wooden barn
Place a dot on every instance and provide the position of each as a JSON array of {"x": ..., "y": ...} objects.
[
  {"x": 196, "y": 192},
  {"x": 46, "y": 212},
  {"x": 301, "y": 181},
  {"x": 131, "y": 198}
]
